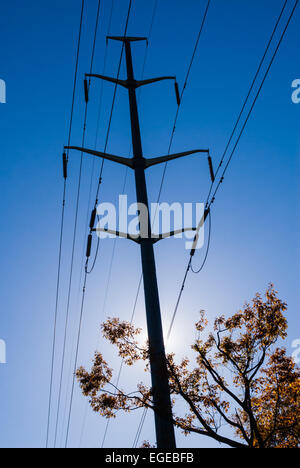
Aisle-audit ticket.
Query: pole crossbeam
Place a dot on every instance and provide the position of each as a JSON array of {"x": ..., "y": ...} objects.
[
  {"x": 127, "y": 38},
  {"x": 134, "y": 162},
  {"x": 128, "y": 84},
  {"x": 137, "y": 239}
]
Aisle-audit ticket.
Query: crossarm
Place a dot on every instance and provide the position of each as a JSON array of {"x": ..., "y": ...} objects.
[
  {"x": 122, "y": 235},
  {"x": 170, "y": 157},
  {"x": 110, "y": 157},
  {"x": 155, "y": 238},
  {"x": 108, "y": 78},
  {"x": 154, "y": 80},
  {"x": 129, "y": 84},
  {"x": 171, "y": 234},
  {"x": 127, "y": 38}
]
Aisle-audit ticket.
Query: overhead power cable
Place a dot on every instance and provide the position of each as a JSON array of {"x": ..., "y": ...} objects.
[
  {"x": 91, "y": 183},
  {"x": 236, "y": 126},
  {"x": 254, "y": 102},
  {"x": 140, "y": 428},
  {"x": 75, "y": 229},
  {"x": 189, "y": 266},
  {"x": 62, "y": 224},
  {"x": 249, "y": 93},
  {"x": 95, "y": 146},
  {"x": 76, "y": 357},
  {"x": 207, "y": 249},
  {"x": 126, "y": 170},
  {"x": 141, "y": 425},
  {"x": 107, "y": 137},
  {"x": 89, "y": 245},
  {"x": 113, "y": 104},
  {"x": 183, "y": 92},
  {"x": 221, "y": 180},
  {"x": 115, "y": 241},
  {"x": 90, "y": 191}
]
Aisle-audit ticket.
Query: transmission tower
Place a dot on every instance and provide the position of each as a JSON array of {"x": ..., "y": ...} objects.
[{"x": 159, "y": 373}]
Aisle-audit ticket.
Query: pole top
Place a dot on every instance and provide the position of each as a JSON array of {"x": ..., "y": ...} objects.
[{"x": 127, "y": 38}]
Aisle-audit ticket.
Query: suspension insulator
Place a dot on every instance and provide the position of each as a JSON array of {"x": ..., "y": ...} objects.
[
  {"x": 89, "y": 246},
  {"x": 65, "y": 165},
  {"x": 211, "y": 169},
  {"x": 86, "y": 91},
  {"x": 177, "y": 93},
  {"x": 93, "y": 218},
  {"x": 194, "y": 250},
  {"x": 206, "y": 213}
]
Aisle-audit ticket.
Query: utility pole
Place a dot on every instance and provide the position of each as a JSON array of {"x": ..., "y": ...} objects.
[{"x": 159, "y": 372}]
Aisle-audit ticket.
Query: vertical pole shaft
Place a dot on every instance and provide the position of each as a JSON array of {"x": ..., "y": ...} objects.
[{"x": 159, "y": 374}]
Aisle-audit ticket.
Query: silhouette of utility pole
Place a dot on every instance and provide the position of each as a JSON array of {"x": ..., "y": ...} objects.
[{"x": 159, "y": 372}]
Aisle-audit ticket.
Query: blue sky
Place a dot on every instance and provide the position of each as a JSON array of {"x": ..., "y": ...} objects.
[{"x": 255, "y": 219}]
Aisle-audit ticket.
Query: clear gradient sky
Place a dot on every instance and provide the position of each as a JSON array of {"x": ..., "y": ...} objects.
[{"x": 255, "y": 220}]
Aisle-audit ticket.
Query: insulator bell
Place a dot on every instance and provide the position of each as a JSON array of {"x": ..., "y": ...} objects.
[
  {"x": 177, "y": 93},
  {"x": 65, "y": 165},
  {"x": 86, "y": 91},
  {"x": 89, "y": 246}
]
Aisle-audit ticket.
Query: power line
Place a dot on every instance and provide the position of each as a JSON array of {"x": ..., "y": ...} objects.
[
  {"x": 189, "y": 266},
  {"x": 95, "y": 146},
  {"x": 249, "y": 93},
  {"x": 62, "y": 227},
  {"x": 254, "y": 102},
  {"x": 76, "y": 73},
  {"x": 92, "y": 174},
  {"x": 86, "y": 268},
  {"x": 236, "y": 126},
  {"x": 207, "y": 249},
  {"x": 91, "y": 183},
  {"x": 76, "y": 356},
  {"x": 183, "y": 91},
  {"x": 56, "y": 311},
  {"x": 209, "y": 204},
  {"x": 108, "y": 132},
  {"x": 113, "y": 104},
  {"x": 122, "y": 363},
  {"x": 104, "y": 68},
  {"x": 126, "y": 172},
  {"x": 111, "y": 263},
  {"x": 75, "y": 230},
  {"x": 140, "y": 428},
  {"x": 108, "y": 422}
]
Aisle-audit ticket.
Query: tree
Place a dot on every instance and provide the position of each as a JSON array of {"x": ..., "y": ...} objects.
[{"x": 240, "y": 380}]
